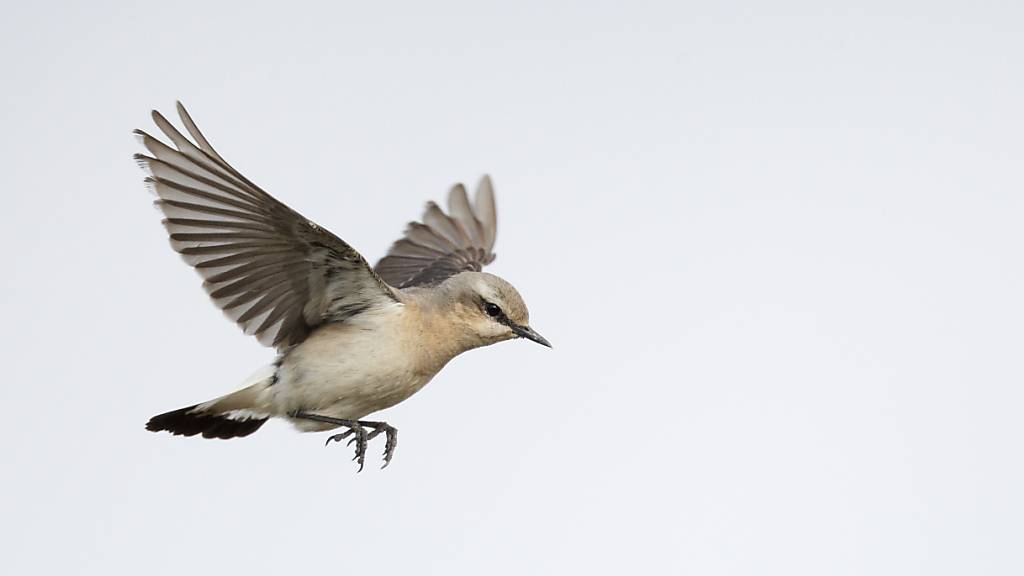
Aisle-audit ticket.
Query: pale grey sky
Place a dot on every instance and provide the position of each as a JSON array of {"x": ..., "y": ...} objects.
[{"x": 777, "y": 247}]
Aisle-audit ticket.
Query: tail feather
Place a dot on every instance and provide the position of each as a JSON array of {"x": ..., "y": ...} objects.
[
  {"x": 231, "y": 416},
  {"x": 192, "y": 420}
]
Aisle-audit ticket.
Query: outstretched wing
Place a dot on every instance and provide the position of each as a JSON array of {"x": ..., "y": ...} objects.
[
  {"x": 275, "y": 273},
  {"x": 443, "y": 245}
]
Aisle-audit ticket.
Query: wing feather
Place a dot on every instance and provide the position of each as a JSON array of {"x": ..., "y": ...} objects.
[
  {"x": 443, "y": 245},
  {"x": 272, "y": 271}
]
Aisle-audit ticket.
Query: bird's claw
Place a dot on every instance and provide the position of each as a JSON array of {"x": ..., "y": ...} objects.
[
  {"x": 361, "y": 439},
  {"x": 391, "y": 442},
  {"x": 338, "y": 437}
]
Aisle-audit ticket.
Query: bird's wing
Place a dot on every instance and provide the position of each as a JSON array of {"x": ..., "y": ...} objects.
[
  {"x": 275, "y": 273},
  {"x": 443, "y": 245}
]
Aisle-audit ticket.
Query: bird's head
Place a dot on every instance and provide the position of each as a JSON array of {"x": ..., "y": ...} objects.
[{"x": 490, "y": 309}]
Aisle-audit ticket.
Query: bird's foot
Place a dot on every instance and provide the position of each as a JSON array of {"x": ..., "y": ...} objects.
[
  {"x": 362, "y": 439},
  {"x": 391, "y": 435},
  {"x": 359, "y": 436}
]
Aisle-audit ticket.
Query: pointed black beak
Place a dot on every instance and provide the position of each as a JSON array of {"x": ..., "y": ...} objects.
[{"x": 530, "y": 334}]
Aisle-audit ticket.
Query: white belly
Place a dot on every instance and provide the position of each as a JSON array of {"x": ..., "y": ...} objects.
[{"x": 349, "y": 371}]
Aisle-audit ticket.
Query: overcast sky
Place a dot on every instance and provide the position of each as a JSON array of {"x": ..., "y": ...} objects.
[{"x": 777, "y": 247}]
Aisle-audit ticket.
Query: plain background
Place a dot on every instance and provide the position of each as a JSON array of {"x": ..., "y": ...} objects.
[{"x": 777, "y": 247}]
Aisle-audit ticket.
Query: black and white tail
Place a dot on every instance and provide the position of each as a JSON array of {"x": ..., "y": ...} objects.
[
  {"x": 190, "y": 421},
  {"x": 233, "y": 416}
]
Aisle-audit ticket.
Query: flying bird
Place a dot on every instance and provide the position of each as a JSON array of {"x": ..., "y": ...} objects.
[{"x": 351, "y": 339}]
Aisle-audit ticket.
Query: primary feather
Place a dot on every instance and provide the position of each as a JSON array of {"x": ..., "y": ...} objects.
[
  {"x": 275, "y": 273},
  {"x": 444, "y": 245}
]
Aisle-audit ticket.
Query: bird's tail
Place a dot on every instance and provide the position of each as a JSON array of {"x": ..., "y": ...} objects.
[
  {"x": 233, "y": 416},
  {"x": 191, "y": 421}
]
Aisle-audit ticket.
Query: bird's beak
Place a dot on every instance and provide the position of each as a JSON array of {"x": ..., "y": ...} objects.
[{"x": 530, "y": 334}]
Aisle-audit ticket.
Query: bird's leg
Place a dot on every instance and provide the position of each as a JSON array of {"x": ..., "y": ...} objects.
[
  {"x": 355, "y": 429},
  {"x": 390, "y": 432}
]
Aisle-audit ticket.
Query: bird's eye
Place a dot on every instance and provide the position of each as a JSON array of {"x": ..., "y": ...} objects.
[{"x": 493, "y": 310}]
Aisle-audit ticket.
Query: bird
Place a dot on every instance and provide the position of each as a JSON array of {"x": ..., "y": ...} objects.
[{"x": 350, "y": 339}]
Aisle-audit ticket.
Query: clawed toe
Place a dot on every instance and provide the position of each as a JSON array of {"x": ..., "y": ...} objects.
[
  {"x": 391, "y": 435},
  {"x": 361, "y": 438},
  {"x": 338, "y": 437}
]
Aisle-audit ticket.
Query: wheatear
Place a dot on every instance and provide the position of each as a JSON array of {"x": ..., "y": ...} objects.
[{"x": 351, "y": 339}]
